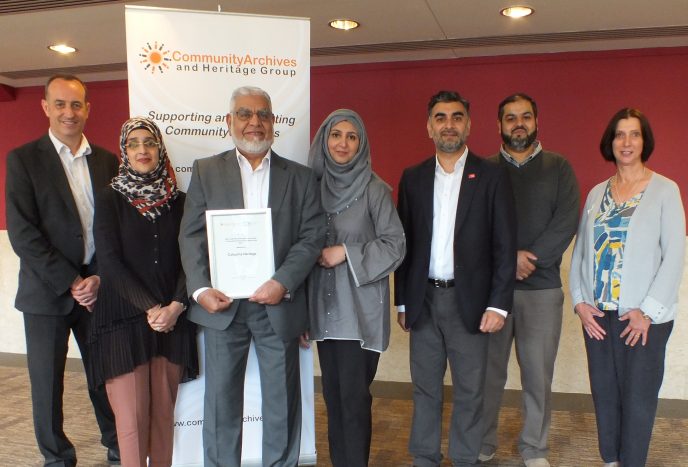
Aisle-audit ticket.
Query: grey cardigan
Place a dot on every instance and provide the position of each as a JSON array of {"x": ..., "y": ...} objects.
[
  {"x": 351, "y": 300},
  {"x": 653, "y": 254}
]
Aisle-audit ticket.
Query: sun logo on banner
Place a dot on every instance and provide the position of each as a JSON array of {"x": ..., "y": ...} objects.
[{"x": 154, "y": 57}]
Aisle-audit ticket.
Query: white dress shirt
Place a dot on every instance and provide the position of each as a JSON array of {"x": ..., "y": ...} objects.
[
  {"x": 445, "y": 201},
  {"x": 255, "y": 184},
  {"x": 79, "y": 178}
]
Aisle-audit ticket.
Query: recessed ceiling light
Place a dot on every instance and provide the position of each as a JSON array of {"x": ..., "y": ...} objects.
[
  {"x": 344, "y": 24},
  {"x": 517, "y": 11},
  {"x": 62, "y": 48}
]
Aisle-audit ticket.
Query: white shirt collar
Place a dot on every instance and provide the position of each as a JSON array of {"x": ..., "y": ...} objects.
[
  {"x": 84, "y": 147},
  {"x": 244, "y": 162},
  {"x": 459, "y": 163}
]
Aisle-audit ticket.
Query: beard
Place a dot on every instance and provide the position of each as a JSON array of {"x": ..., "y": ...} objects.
[
  {"x": 520, "y": 143},
  {"x": 252, "y": 147},
  {"x": 449, "y": 146}
]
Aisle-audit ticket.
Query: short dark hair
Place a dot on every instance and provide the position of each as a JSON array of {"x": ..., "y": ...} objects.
[
  {"x": 448, "y": 96},
  {"x": 610, "y": 133},
  {"x": 66, "y": 77},
  {"x": 520, "y": 96}
]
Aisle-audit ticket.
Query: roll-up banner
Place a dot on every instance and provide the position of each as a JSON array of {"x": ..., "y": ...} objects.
[{"x": 182, "y": 68}]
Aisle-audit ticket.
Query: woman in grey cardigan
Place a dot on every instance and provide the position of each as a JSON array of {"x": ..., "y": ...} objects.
[
  {"x": 625, "y": 275},
  {"x": 348, "y": 290}
]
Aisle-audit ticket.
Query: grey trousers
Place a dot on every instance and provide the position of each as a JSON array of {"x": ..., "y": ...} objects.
[
  {"x": 439, "y": 336},
  {"x": 535, "y": 327},
  {"x": 226, "y": 353}
]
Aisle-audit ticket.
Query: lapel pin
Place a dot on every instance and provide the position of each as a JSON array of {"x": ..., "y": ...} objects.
[{"x": 471, "y": 175}]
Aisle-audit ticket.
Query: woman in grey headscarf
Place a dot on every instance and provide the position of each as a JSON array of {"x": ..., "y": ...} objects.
[{"x": 348, "y": 290}]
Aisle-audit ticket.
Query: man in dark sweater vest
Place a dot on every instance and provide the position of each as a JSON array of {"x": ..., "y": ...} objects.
[{"x": 547, "y": 202}]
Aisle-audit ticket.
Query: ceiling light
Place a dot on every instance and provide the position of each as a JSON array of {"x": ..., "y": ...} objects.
[
  {"x": 62, "y": 48},
  {"x": 344, "y": 24},
  {"x": 517, "y": 11}
]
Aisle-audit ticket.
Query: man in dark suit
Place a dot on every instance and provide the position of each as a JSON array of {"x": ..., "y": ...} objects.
[
  {"x": 456, "y": 283},
  {"x": 49, "y": 192},
  {"x": 252, "y": 176}
]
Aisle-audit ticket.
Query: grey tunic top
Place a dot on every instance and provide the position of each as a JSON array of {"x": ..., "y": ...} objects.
[{"x": 351, "y": 301}]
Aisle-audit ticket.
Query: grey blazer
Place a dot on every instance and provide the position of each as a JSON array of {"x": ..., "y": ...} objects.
[
  {"x": 298, "y": 227},
  {"x": 44, "y": 226}
]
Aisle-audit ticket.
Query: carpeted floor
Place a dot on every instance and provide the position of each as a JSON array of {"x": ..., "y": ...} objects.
[{"x": 573, "y": 436}]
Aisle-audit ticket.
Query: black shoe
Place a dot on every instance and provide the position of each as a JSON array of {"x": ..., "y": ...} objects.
[{"x": 113, "y": 456}]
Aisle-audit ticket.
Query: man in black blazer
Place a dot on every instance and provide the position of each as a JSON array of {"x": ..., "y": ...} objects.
[
  {"x": 49, "y": 192},
  {"x": 252, "y": 176},
  {"x": 456, "y": 282}
]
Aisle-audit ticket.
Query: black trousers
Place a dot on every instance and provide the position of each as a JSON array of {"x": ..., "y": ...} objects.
[
  {"x": 47, "y": 339},
  {"x": 625, "y": 384},
  {"x": 347, "y": 373}
]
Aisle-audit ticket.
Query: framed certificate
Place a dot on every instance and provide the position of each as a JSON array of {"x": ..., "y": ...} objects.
[{"x": 240, "y": 250}]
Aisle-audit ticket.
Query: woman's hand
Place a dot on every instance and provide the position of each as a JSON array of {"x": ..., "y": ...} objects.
[
  {"x": 304, "y": 340},
  {"x": 85, "y": 291},
  {"x": 587, "y": 314},
  {"x": 332, "y": 256},
  {"x": 163, "y": 319},
  {"x": 638, "y": 327}
]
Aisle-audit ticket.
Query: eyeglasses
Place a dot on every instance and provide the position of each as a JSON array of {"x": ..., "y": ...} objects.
[
  {"x": 246, "y": 115},
  {"x": 148, "y": 144}
]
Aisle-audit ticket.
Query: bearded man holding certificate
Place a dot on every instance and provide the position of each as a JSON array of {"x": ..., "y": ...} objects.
[{"x": 252, "y": 176}]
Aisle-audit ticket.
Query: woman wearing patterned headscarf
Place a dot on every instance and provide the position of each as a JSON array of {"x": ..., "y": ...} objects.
[
  {"x": 141, "y": 344},
  {"x": 348, "y": 290}
]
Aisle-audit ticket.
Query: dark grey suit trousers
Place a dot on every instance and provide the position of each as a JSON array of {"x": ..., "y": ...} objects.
[
  {"x": 625, "y": 383},
  {"x": 226, "y": 354},
  {"x": 47, "y": 339},
  {"x": 439, "y": 335}
]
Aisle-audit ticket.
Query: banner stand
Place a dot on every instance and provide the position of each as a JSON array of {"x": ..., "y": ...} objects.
[{"x": 182, "y": 67}]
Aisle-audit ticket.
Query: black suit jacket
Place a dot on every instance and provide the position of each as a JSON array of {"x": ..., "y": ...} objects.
[
  {"x": 43, "y": 223},
  {"x": 484, "y": 240}
]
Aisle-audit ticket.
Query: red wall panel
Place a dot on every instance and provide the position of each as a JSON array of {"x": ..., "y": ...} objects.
[{"x": 576, "y": 93}]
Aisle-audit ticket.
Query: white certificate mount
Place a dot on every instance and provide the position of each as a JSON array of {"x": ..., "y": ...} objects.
[{"x": 240, "y": 250}]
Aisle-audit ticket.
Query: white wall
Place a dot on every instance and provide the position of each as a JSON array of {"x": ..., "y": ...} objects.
[
  {"x": 571, "y": 371},
  {"x": 571, "y": 368},
  {"x": 12, "y": 321}
]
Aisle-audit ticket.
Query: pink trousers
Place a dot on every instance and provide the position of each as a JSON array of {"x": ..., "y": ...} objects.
[{"x": 143, "y": 403}]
